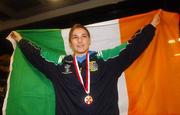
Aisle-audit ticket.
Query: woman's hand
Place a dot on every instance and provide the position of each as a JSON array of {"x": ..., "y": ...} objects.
[
  {"x": 16, "y": 36},
  {"x": 156, "y": 19}
]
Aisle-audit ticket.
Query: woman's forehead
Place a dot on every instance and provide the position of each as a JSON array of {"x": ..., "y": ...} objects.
[{"x": 79, "y": 31}]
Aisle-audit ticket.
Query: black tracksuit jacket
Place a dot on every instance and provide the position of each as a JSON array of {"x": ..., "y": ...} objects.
[{"x": 106, "y": 69}]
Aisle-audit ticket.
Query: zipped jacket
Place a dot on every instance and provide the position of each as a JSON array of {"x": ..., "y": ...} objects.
[{"x": 105, "y": 68}]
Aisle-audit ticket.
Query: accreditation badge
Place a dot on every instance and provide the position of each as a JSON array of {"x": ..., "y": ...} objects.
[{"x": 93, "y": 66}]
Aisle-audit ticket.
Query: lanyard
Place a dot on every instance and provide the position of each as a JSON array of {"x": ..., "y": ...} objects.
[{"x": 87, "y": 85}]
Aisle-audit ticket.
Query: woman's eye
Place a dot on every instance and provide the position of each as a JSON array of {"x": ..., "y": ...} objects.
[
  {"x": 84, "y": 36},
  {"x": 75, "y": 37}
]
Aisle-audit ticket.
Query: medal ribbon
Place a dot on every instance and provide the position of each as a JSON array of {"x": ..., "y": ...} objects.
[{"x": 87, "y": 85}]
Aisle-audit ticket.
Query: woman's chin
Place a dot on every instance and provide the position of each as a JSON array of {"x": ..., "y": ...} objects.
[{"x": 81, "y": 52}]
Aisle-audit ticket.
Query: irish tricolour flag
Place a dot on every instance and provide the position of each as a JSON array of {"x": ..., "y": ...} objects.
[{"x": 150, "y": 86}]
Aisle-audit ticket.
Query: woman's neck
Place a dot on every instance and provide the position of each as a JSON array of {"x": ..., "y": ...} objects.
[{"x": 80, "y": 54}]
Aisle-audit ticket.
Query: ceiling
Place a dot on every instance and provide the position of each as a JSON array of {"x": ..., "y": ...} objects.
[
  {"x": 16, "y": 9},
  {"x": 18, "y": 13}
]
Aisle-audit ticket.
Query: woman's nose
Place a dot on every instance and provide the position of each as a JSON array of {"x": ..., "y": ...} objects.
[{"x": 79, "y": 39}]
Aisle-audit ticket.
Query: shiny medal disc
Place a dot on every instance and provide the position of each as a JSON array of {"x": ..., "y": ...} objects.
[{"x": 88, "y": 99}]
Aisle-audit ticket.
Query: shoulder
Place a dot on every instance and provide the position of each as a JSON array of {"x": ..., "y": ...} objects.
[{"x": 66, "y": 59}]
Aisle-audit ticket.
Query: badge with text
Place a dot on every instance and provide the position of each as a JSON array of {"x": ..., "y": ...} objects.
[{"x": 93, "y": 66}]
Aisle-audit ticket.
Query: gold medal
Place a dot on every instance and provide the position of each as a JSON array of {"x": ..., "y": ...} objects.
[{"x": 88, "y": 99}]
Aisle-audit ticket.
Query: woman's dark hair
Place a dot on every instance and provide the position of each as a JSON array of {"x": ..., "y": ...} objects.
[{"x": 75, "y": 26}]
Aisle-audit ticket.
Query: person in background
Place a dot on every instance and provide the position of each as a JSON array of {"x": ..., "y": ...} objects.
[
  {"x": 85, "y": 82},
  {"x": 5, "y": 54}
]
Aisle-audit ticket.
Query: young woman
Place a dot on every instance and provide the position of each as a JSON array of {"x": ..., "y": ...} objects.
[{"x": 85, "y": 82}]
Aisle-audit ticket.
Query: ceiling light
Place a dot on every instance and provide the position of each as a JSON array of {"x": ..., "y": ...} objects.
[{"x": 54, "y": 0}]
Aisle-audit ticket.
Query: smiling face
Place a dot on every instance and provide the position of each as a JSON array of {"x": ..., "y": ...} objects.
[{"x": 79, "y": 41}]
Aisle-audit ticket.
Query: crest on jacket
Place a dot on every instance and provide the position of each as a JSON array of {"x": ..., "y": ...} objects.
[{"x": 93, "y": 66}]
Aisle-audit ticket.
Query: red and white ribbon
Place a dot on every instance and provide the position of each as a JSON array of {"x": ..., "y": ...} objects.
[{"x": 87, "y": 84}]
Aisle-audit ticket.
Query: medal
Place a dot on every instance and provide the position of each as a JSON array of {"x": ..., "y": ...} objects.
[{"x": 88, "y": 99}]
